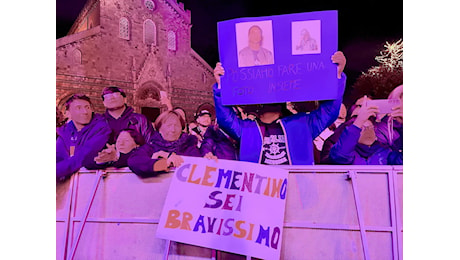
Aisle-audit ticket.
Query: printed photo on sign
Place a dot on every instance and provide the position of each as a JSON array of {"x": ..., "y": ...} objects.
[
  {"x": 254, "y": 43},
  {"x": 280, "y": 58},
  {"x": 306, "y": 37}
]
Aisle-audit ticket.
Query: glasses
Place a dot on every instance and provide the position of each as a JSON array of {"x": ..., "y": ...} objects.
[{"x": 112, "y": 95}]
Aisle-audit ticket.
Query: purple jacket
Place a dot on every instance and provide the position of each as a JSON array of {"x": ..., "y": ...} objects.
[
  {"x": 347, "y": 150},
  {"x": 218, "y": 143},
  {"x": 129, "y": 119},
  {"x": 390, "y": 134},
  {"x": 299, "y": 129},
  {"x": 87, "y": 143},
  {"x": 141, "y": 162}
]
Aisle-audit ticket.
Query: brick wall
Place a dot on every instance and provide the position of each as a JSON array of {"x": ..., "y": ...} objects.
[{"x": 100, "y": 58}]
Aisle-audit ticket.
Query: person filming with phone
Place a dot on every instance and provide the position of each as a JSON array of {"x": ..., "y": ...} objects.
[{"x": 356, "y": 141}]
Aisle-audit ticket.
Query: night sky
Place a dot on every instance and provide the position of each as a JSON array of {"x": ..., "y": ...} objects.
[{"x": 364, "y": 26}]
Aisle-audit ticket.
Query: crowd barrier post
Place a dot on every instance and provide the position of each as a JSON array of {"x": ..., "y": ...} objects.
[
  {"x": 352, "y": 178},
  {"x": 99, "y": 175}
]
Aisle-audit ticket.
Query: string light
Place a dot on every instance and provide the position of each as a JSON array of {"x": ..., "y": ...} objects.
[{"x": 391, "y": 57}]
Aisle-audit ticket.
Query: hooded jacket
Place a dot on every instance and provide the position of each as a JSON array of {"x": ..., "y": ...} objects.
[
  {"x": 141, "y": 162},
  {"x": 86, "y": 143},
  {"x": 129, "y": 119},
  {"x": 299, "y": 129},
  {"x": 345, "y": 149},
  {"x": 218, "y": 143}
]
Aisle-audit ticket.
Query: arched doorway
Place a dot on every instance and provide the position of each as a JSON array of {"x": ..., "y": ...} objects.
[
  {"x": 151, "y": 113},
  {"x": 147, "y": 98}
]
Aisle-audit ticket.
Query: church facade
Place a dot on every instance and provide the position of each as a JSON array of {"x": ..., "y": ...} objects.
[{"x": 141, "y": 46}]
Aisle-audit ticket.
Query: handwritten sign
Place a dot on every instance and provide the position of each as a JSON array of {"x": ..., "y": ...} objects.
[
  {"x": 281, "y": 58},
  {"x": 229, "y": 205}
]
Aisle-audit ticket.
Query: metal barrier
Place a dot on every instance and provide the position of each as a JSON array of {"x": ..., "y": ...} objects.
[{"x": 332, "y": 212}]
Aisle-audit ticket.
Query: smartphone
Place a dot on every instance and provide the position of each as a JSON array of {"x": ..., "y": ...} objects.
[
  {"x": 384, "y": 105},
  {"x": 162, "y": 94}
]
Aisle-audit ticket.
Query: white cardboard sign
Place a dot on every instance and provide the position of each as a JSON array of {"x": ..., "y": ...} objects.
[{"x": 227, "y": 205}]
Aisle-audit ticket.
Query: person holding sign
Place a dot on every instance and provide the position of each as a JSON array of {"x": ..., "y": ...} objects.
[
  {"x": 165, "y": 147},
  {"x": 271, "y": 139},
  {"x": 254, "y": 54}
]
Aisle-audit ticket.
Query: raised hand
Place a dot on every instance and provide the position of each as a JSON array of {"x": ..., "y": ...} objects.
[
  {"x": 165, "y": 100},
  {"x": 218, "y": 72},
  {"x": 364, "y": 113},
  {"x": 339, "y": 58},
  {"x": 397, "y": 113},
  {"x": 107, "y": 155}
]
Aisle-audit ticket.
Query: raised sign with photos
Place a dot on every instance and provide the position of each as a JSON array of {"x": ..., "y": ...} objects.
[{"x": 281, "y": 58}]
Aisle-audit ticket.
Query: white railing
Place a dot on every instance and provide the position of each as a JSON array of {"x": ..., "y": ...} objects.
[{"x": 332, "y": 212}]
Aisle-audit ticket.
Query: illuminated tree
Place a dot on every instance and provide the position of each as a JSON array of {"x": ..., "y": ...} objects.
[
  {"x": 392, "y": 56},
  {"x": 380, "y": 80}
]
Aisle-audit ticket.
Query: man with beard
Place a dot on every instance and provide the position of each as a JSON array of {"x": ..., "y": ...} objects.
[
  {"x": 83, "y": 136},
  {"x": 273, "y": 139},
  {"x": 120, "y": 116}
]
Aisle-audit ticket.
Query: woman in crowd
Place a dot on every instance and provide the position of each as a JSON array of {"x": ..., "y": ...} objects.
[
  {"x": 165, "y": 147},
  {"x": 183, "y": 114},
  {"x": 389, "y": 131},
  {"x": 355, "y": 142},
  {"x": 117, "y": 155}
]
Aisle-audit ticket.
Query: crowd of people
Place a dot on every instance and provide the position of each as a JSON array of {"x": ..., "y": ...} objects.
[{"x": 272, "y": 134}]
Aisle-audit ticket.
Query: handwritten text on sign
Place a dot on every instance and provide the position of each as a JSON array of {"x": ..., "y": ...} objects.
[
  {"x": 229, "y": 205},
  {"x": 274, "y": 59}
]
